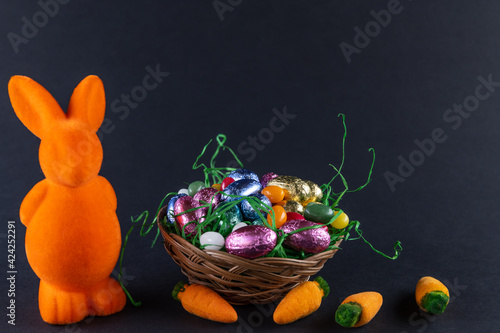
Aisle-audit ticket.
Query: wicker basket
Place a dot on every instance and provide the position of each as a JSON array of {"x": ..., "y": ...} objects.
[{"x": 239, "y": 280}]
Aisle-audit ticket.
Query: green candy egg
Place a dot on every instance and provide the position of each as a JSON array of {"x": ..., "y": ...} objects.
[
  {"x": 195, "y": 187},
  {"x": 317, "y": 212}
]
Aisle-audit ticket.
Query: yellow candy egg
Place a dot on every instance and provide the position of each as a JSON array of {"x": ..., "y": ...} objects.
[{"x": 340, "y": 222}]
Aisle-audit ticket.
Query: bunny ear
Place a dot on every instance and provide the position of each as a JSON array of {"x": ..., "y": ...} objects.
[
  {"x": 33, "y": 104},
  {"x": 88, "y": 102}
]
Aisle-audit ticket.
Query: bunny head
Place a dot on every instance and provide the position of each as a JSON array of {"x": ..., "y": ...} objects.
[{"x": 70, "y": 152}]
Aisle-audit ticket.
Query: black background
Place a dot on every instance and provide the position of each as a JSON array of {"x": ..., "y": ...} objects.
[{"x": 226, "y": 76}]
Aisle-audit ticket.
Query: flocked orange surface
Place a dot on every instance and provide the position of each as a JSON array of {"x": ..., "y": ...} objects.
[{"x": 73, "y": 235}]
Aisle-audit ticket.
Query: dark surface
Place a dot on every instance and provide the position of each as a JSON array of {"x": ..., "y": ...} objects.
[{"x": 226, "y": 77}]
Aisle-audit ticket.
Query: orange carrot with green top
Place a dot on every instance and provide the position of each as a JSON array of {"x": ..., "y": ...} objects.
[
  {"x": 204, "y": 302},
  {"x": 431, "y": 295},
  {"x": 358, "y": 309},
  {"x": 301, "y": 301}
]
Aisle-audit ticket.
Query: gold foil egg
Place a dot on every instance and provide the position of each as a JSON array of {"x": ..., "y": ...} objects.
[
  {"x": 297, "y": 189},
  {"x": 294, "y": 206}
]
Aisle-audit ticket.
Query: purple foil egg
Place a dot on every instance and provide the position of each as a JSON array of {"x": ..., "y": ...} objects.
[
  {"x": 243, "y": 174},
  {"x": 310, "y": 240},
  {"x": 266, "y": 178},
  {"x": 242, "y": 187},
  {"x": 252, "y": 241},
  {"x": 181, "y": 205},
  {"x": 208, "y": 195},
  {"x": 170, "y": 207}
]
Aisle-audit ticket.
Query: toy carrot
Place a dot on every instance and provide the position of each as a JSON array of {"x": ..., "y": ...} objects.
[
  {"x": 204, "y": 302},
  {"x": 358, "y": 309},
  {"x": 431, "y": 295},
  {"x": 301, "y": 301}
]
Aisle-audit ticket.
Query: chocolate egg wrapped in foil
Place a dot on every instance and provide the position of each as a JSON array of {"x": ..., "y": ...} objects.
[
  {"x": 181, "y": 205},
  {"x": 206, "y": 195},
  {"x": 316, "y": 191},
  {"x": 249, "y": 213},
  {"x": 233, "y": 216},
  {"x": 258, "y": 222},
  {"x": 242, "y": 188},
  {"x": 252, "y": 241},
  {"x": 266, "y": 178},
  {"x": 297, "y": 189},
  {"x": 243, "y": 174},
  {"x": 170, "y": 207},
  {"x": 310, "y": 240},
  {"x": 294, "y": 207}
]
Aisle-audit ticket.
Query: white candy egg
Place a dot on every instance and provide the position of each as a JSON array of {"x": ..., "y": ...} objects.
[
  {"x": 239, "y": 225},
  {"x": 213, "y": 240},
  {"x": 183, "y": 191}
]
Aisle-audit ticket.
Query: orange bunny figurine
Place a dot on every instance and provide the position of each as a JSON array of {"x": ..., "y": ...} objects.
[{"x": 73, "y": 235}]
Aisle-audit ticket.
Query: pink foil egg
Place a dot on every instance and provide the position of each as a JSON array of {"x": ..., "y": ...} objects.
[
  {"x": 208, "y": 195},
  {"x": 181, "y": 205},
  {"x": 252, "y": 241},
  {"x": 266, "y": 178},
  {"x": 310, "y": 240}
]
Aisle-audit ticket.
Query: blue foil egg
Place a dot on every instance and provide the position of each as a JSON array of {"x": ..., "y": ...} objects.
[
  {"x": 170, "y": 207},
  {"x": 243, "y": 188},
  {"x": 243, "y": 174},
  {"x": 249, "y": 213}
]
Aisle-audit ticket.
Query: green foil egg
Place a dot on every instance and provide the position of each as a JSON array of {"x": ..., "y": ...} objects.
[{"x": 233, "y": 216}]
